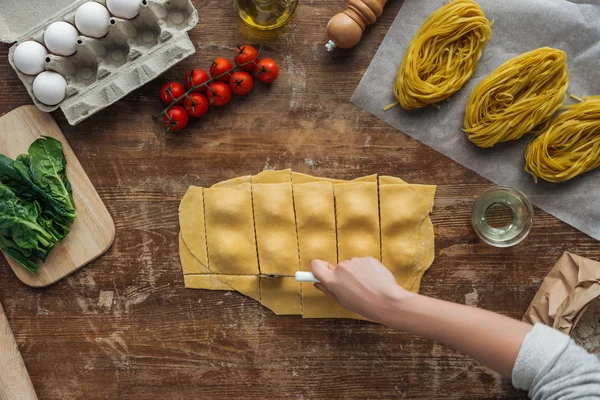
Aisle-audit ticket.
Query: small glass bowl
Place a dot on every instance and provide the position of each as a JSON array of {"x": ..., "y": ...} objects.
[{"x": 502, "y": 216}]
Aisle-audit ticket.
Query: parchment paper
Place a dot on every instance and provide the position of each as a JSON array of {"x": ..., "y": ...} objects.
[
  {"x": 565, "y": 293},
  {"x": 519, "y": 26}
]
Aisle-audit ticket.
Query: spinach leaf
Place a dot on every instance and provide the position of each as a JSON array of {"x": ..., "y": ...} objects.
[
  {"x": 36, "y": 202},
  {"x": 18, "y": 254},
  {"x": 16, "y": 175},
  {"x": 18, "y": 219},
  {"x": 47, "y": 166}
]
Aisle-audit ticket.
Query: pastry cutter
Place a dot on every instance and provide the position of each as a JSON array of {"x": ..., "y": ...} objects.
[{"x": 301, "y": 276}]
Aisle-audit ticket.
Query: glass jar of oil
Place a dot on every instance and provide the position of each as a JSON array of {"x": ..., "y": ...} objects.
[{"x": 265, "y": 14}]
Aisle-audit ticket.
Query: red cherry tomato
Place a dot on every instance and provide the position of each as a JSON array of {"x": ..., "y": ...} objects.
[
  {"x": 266, "y": 70},
  {"x": 196, "y": 77},
  {"x": 176, "y": 119},
  {"x": 171, "y": 91},
  {"x": 241, "y": 83},
  {"x": 195, "y": 104},
  {"x": 219, "y": 94},
  {"x": 244, "y": 54},
  {"x": 219, "y": 66}
]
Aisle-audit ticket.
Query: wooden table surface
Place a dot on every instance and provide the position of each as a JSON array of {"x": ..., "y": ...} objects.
[{"x": 124, "y": 326}]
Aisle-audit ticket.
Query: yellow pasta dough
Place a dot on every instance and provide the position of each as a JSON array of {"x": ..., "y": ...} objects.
[
  {"x": 275, "y": 228},
  {"x": 426, "y": 256},
  {"x": 230, "y": 230},
  {"x": 191, "y": 223},
  {"x": 357, "y": 217},
  {"x": 315, "y": 219},
  {"x": 232, "y": 182},
  {"x": 189, "y": 263},
  {"x": 205, "y": 281},
  {"x": 281, "y": 295},
  {"x": 270, "y": 176},
  {"x": 290, "y": 225},
  {"x": 298, "y": 177},
  {"x": 403, "y": 209},
  {"x": 248, "y": 285}
]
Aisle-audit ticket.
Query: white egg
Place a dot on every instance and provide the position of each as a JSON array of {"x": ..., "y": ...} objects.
[
  {"x": 29, "y": 57},
  {"x": 91, "y": 19},
  {"x": 50, "y": 88},
  {"x": 123, "y": 8},
  {"x": 61, "y": 38}
]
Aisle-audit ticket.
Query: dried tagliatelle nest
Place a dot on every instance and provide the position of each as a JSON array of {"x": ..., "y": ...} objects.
[
  {"x": 520, "y": 95},
  {"x": 443, "y": 54},
  {"x": 569, "y": 146}
]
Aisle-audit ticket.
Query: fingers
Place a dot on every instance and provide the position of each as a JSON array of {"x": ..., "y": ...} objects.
[
  {"x": 322, "y": 270},
  {"x": 324, "y": 290}
]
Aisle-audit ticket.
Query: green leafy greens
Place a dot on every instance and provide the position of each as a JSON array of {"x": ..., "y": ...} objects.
[{"x": 36, "y": 202}]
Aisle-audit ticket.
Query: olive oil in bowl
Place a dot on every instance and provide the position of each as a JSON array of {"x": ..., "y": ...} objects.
[
  {"x": 265, "y": 14},
  {"x": 502, "y": 216}
]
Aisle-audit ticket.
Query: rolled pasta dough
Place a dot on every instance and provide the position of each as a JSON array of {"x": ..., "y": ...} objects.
[{"x": 230, "y": 230}]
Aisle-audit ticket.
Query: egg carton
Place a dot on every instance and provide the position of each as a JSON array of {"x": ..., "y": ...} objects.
[{"x": 103, "y": 70}]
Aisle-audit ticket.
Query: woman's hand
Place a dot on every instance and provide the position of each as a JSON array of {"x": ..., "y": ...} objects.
[{"x": 362, "y": 285}]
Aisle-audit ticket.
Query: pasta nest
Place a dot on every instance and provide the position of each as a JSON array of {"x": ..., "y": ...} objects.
[
  {"x": 569, "y": 146},
  {"x": 443, "y": 54},
  {"x": 520, "y": 95}
]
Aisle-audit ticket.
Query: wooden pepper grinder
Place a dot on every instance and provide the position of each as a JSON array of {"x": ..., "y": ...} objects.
[{"x": 346, "y": 28}]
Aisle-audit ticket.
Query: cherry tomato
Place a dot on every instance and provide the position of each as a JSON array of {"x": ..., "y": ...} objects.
[
  {"x": 219, "y": 94},
  {"x": 195, "y": 104},
  {"x": 244, "y": 54},
  {"x": 171, "y": 91},
  {"x": 220, "y": 66},
  {"x": 266, "y": 70},
  {"x": 176, "y": 119},
  {"x": 196, "y": 77},
  {"x": 241, "y": 83}
]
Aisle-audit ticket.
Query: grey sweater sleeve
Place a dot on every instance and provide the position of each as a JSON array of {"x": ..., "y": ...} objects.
[{"x": 551, "y": 366}]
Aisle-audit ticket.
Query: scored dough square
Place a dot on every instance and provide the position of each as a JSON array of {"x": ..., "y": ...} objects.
[
  {"x": 357, "y": 217},
  {"x": 404, "y": 208},
  {"x": 191, "y": 223},
  {"x": 315, "y": 219},
  {"x": 189, "y": 263},
  {"x": 275, "y": 225},
  {"x": 230, "y": 230},
  {"x": 281, "y": 295}
]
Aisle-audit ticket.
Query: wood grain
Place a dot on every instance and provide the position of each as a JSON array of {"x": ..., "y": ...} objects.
[
  {"x": 125, "y": 327},
  {"x": 93, "y": 231}
]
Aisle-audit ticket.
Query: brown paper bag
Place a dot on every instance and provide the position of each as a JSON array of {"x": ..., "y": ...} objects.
[{"x": 566, "y": 292}]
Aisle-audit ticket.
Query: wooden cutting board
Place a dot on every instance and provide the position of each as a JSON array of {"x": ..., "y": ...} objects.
[
  {"x": 93, "y": 231},
  {"x": 14, "y": 379}
]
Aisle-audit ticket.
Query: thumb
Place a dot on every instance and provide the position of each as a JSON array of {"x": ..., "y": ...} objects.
[{"x": 322, "y": 270}]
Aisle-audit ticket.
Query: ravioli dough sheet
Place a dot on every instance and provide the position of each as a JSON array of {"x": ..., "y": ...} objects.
[
  {"x": 191, "y": 223},
  {"x": 230, "y": 230},
  {"x": 281, "y": 295},
  {"x": 357, "y": 218},
  {"x": 275, "y": 227},
  {"x": 403, "y": 209},
  {"x": 313, "y": 209}
]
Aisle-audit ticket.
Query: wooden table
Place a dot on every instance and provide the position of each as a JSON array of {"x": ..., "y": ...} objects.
[{"x": 124, "y": 326}]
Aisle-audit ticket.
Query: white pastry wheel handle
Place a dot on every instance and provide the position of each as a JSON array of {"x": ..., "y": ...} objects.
[{"x": 302, "y": 276}]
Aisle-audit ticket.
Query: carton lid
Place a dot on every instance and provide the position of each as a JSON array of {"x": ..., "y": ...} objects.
[{"x": 18, "y": 17}]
